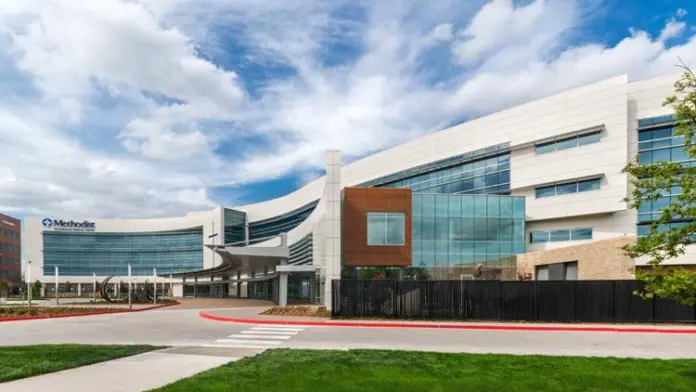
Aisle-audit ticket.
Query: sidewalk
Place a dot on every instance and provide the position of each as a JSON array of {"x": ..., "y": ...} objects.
[
  {"x": 253, "y": 316},
  {"x": 131, "y": 374}
]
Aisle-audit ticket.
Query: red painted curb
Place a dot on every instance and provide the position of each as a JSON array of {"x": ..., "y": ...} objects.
[
  {"x": 81, "y": 314},
  {"x": 484, "y": 327}
]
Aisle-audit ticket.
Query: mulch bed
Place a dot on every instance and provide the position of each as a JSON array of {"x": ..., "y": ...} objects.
[
  {"x": 28, "y": 312},
  {"x": 298, "y": 311}
]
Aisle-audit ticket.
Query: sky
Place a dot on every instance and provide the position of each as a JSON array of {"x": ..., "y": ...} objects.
[{"x": 151, "y": 108}]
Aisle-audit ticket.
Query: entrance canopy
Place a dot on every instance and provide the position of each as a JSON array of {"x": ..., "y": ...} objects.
[{"x": 243, "y": 259}]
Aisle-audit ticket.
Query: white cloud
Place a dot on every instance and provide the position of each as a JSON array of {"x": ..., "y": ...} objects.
[
  {"x": 501, "y": 29},
  {"x": 442, "y": 32},
  {"x": 672, "y": 30},
  {"x": 681, "y": 12},
  {"x": 128, "y": 102}
]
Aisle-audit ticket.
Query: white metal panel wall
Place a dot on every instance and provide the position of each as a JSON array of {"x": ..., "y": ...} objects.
[{"x": 555, "y": 115}]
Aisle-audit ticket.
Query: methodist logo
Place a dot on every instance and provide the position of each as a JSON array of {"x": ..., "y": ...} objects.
[{"x": 59, "y": 224}]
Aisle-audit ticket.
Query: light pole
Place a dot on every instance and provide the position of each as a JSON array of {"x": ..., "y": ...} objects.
[
  {"x": 154, "y": 278},
  {"x": 56, "y": 269},
  {"x": 94, "y": 287},
  {"x": 130, "y": 280},
  {"x": 29, "y": 283},
  {"x": 171, "y": 287}
]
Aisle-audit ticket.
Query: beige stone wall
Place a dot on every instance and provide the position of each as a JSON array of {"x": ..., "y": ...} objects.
[{"x": 596, "y": 260}]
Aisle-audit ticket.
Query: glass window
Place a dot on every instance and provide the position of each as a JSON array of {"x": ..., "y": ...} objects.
[
  {"x": 386, "y": 228},
  {"x": 546, "y": 191},
  {"x": 396, "y": 229},
  {"x": 662, "y": 133},
  {"x": 493, "y": 206},
  {"x": 504, "y": 177},
  {"x": 545, "y": 148},
  {"x": 588, "y": 139},
  {"x": 566, "y": 144},
  {"x": 559, "y": 235},
  {"x": 661, "y": 155},
  {"x": 588, "y": 185},
  {"x": 518, "y": 207},
  {"x": 538, "y": 236},
  {"x": 480, "y": 206},
  {"x": 645, "y": 135},
  {"x": 679, "y": 154},
  {"x": 581, "y": 234},
  {"x": 563, "y": 189},
  {"x": 644, "y": 157}
]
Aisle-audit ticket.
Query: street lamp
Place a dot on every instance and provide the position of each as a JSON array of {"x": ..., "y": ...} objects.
[
  {"x": 56, "y": 271},
  {"x": 29, "y": 282},
  {"x": 130, "y": 280}
]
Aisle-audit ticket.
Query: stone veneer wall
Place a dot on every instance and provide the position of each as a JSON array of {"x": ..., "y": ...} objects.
[{"x": 596, "y": 260}]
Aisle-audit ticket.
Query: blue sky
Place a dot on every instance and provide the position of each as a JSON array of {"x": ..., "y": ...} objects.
[{"x": 145, "y": 108}]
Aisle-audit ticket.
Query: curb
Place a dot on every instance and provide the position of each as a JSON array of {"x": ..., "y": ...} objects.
[
  {"x": 47, "y": 316},
  {"x": 479, "y": 327}
]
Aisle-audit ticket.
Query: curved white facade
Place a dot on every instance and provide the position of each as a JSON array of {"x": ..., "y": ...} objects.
[{"x": 611, "y": 107}]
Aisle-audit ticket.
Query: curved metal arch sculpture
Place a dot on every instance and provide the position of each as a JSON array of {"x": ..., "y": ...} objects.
[
  {"x": 147, "y": 294},
  {"x": 104, "y": 292}
]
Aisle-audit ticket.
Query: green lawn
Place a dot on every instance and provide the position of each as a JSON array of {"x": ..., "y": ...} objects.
[
  {"x": 400, "y": 371},
  {"x": 26, "y": 361}
]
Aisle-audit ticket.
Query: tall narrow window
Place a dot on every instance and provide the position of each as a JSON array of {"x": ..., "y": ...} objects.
[{"x": 386, "y": 228}]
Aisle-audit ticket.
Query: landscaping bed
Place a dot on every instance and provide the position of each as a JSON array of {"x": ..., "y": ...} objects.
[
  {"x": 12, "y": 312},
  {"x": 297, "y": 311},
  {"x": 399, "y": 371},
  {"x": 27, "y": 361}
]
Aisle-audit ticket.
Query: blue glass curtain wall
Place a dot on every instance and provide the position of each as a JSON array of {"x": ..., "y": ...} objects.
[
  {"x": 82, "y": 254},
  {"x": 234, "y": 226},
  {"x": 484, "y": 176},
  {"x": 280, "y": 224},
  {"x": 451, "y": 230},
  {"x": 657, "y": 141}
]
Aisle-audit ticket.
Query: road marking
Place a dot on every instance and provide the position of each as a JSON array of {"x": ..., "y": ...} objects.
[
  {"x": 264, "y": 342},
  {"x": 259, "y": 336},
  {"x": 285, "y": 337},
  {"x": 277, "y": 329},
  {"x": 233, "y": 346},
  {"x": 257, "y": 332},
  {"x": 289, "y": 326}
]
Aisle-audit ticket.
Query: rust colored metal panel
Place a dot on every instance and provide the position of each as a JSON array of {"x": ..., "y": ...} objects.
[{"x": 357, "y": 202}]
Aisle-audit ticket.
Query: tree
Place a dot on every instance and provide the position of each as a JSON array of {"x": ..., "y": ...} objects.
[
  {"x": 676, "y": 228},
  {"x": 525, "y": 277},
  {"x": 4, "y": 287},
  {"x": 36, "y": 289}
]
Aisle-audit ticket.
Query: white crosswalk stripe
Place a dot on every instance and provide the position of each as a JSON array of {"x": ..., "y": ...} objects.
[
  {"x": 260, "y": 336},
  {"x": 256, "y": 332},
  {"x": 246, "y": 336},
  {"x": 276, "y": 329}
]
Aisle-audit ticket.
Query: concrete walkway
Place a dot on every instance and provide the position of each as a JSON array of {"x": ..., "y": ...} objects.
[{"x": 131, "y": 374}]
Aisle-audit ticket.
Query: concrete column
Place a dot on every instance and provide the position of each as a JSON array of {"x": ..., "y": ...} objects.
[
  {"x": 195, "y": 287},
  {"x": 79, "y": 289},
  {"x": 332, "y": 224},
  {"x": 246, "y": 230},
  {"x": 283, "y": 289}
]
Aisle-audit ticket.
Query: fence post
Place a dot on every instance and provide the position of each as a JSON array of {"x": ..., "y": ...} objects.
[{"x": 395, "y": 299}]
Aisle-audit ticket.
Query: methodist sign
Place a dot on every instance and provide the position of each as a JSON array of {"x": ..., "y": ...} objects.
[{"x": 59, "y": 224}]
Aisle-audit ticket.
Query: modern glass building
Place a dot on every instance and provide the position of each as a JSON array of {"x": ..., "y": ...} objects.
[
  {"x": 513, "y": 194},
  {"x": 106, "y": 254}
]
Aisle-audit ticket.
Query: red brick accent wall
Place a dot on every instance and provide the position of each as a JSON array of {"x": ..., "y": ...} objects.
[{"x": 10, "y": 260}]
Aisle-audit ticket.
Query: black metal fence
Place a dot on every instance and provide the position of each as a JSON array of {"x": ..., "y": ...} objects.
[{"x": 550, "y": 301}]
